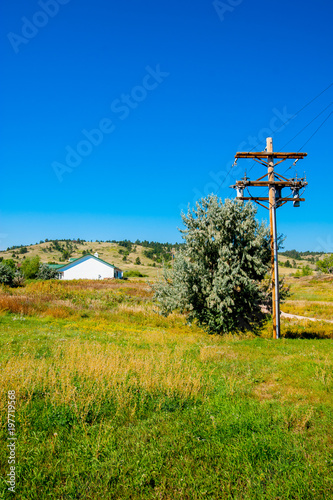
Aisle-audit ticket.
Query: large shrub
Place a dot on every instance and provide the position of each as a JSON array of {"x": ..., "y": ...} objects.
[
  {"x": 216, "y": 276},
  {"x": 6, "y": 274},
  {"x": 46, "y": 273}
]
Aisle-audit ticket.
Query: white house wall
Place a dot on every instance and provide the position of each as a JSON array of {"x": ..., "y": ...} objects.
[{"x": 87, "y": 269}]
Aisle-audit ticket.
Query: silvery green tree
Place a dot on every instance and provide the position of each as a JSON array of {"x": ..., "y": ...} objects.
[
  {"x": 216, "y": 275},
  {"x": 46, "y": 273}
]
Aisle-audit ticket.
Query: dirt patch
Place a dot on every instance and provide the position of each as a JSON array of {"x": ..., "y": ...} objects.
[
  {"x": 266, "y": 390},
  {"x": 295, "y": 316}
]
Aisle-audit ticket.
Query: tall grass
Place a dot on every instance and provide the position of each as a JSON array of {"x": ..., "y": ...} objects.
[
  {"x": 85, "y": 374},
  {"x": 117, "y": 402}
]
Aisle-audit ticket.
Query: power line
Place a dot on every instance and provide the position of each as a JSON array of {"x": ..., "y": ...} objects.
[
  {"x": 323, "y": 111},
  {"x": 284, "y": 123},
  {"x": 218, "y": 189},
  {"x": 312, "y": 135},
  {"x": 296, "y": 114}
]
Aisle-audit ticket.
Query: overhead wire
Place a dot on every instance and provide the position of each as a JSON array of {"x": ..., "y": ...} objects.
[
  {"x": 323, "y": 111},
  {"x": 279, "y": 128},
  {"x": 296, "y": 114},
  {"x": 307, "y": 141},
  {"x": 312, "y": 135}
]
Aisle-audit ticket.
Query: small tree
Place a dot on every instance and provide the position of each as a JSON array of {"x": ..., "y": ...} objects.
[
  {"x": 30, "y": 267},
  {"x": 216, "y": 275},
  {"x": 65, "y": 254},
  {"x": 326, "y": 265},
  {"x": 138, "y": 261}
]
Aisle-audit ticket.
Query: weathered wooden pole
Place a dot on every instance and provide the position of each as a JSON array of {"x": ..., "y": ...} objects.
[{"x": 273, "y": 234}]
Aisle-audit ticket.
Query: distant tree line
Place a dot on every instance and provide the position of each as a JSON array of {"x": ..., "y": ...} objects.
[
  {"x": 66, "y": 240},
  {"x": 296, "y": 255}
]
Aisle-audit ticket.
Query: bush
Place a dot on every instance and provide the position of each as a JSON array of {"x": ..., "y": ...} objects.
[
  {"x": 10, "y": 263},
  {"x": 138, "y": 261},
  {"x": 30, "y": 267},
  {"x": 46, "y": 273},
  {"x": 134, "y": 274},
  {"x": 6, "y": 274},
  {"x": 326, "y": 265},
  {"x": 18, "y": 279},
  {"x": 304, "y": 271},
  {"x": 307, "y": 271}
]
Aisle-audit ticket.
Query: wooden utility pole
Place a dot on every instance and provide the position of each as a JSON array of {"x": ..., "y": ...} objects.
[
  {"x": 275, "y": 182},
  {"x": 274, "y": 257}
]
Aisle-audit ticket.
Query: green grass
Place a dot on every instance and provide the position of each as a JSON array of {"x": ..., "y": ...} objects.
[
  {"x": 311, "y": 297},
  {"x": 115, "y": 402},
  {"x": 313, "y": 288}
]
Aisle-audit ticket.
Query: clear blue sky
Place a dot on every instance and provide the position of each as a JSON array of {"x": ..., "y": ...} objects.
[{"x": 175, "y": 88}]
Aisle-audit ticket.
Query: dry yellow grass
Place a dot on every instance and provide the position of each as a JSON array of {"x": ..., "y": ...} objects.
[{"x": 85, "y": 372}]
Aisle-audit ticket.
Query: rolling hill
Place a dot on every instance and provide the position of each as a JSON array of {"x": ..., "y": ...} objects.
[{"x": 124, "y": 255}]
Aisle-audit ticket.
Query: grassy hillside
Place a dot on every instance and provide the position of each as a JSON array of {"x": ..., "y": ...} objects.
[
  {"x": 297, "y": 264},
  {"x": 112, "y": 253},
  {"x": 114, "y": 401}
]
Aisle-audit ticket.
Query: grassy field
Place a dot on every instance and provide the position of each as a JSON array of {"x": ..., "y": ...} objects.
[
  {"x": 311, "y": 296},
  {"x": 114, "y": 401}
]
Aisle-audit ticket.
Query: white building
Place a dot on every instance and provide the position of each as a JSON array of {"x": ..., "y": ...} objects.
[{"x": 88, "y": 267}]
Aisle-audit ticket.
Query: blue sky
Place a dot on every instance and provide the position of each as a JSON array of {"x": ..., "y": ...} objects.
[{"x": 116, "y": 115}]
